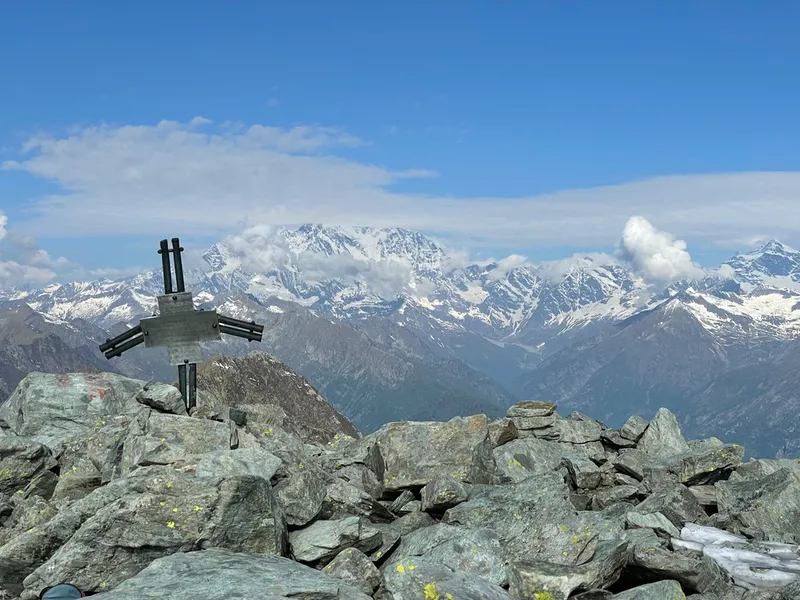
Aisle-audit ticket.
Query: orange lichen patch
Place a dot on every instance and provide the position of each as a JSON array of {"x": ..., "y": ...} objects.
[{"x": 475, "y": 422}]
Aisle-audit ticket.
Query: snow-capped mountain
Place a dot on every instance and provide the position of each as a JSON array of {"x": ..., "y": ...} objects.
[
  {"x": 771, "y": 265},
  {"x": 357, "y": 273},
  {"x": 530, "y": 327}
]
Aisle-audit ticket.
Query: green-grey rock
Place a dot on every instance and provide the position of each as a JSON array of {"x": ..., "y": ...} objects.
[
  {"x": 633, "y": 428},
  {"x": 675, "y": 502},
  {"x": 322, "y": 540},
  {"x": 538, "y": 579},
  {"x": 441, "y": 493},
  {"x": 242, "y": 461},
  {"x": 21, "y": 461},
  {"x": 770, "y": 504},
  {"x": 218, "y": 574},
  {"x": 162, "y": 397},
  {"x": 164, "y": 511},
  {"x": 419, "y": 579},
  {"x": 663, "y": 436},
  {"x": 466, "y": 549},
  {"x": 660, "y": 590},
  {"x": 355, "y": 568},
  {"x": 415, "y": 452}
]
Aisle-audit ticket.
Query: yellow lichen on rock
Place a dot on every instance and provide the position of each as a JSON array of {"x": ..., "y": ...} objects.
[{"x": 430, "y": 592}]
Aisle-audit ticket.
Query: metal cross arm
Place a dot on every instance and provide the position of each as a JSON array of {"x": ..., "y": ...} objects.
[
  {"x": 121, "y": 343},
  {"x": 180, "y": 327}
]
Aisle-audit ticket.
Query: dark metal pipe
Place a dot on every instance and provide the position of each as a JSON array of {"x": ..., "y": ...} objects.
[
  {"x": 176, "y": 255},
  {"x": 182, "y": 381},
  {"x": 124, "y": 347},
  {"x": 120, "y": 338},
  {"x": 248, "y": 335},
  {"x": 249, "y": 325},
  {"x": 164, "y": 252},
  {"x": 192, "y": 387}
]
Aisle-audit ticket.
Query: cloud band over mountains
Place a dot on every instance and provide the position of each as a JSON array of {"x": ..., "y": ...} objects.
[{"x": 212, "y": 179}]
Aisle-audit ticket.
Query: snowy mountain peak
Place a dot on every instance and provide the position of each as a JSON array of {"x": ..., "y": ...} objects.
[
  {"x": 776, "y": 247},
  {"x": 773, "y": 265},
  {"x": 771, "y": 248},
  {"x": 220, "y": 258},
  {"x": 366, "y": 244}
]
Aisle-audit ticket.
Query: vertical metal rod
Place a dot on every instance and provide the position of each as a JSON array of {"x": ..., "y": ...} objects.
[
  {"x": 164, "y": 252},
  {"x": 176, "y": 254},
  {"x": 182, "y": 381},
  {"x": 192, "y": 387}
]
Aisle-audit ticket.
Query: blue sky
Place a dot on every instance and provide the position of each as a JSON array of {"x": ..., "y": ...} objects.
[{"x": 503, "y": 105}]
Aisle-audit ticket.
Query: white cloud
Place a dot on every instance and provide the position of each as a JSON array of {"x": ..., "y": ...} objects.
[
  {"x": 656, "y": 255},
  {"x": 33, "y": 255},
  {"x": 37, "y": 265},
  {"x": 506, "y": 265},
  {"x": 261, "y": 249},
  {"x": 201, "y": 179},
  {"x": 725, "y": 271},
  {"x": 13, "y": 274}
]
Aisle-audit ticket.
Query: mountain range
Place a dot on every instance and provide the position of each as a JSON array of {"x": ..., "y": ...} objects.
[{"x": 390, "y": 325}]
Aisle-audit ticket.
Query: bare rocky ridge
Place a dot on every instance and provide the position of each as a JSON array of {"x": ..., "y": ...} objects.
[
  {"x": 267, "y": 390},
  {"x": 107, "y": 483},
  {"x": 28, "y": 342}
]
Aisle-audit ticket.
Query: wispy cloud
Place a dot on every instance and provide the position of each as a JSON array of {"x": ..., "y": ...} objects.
[{"x": 200, "y": 179}]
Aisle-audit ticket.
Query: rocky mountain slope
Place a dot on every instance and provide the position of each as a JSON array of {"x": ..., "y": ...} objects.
[
  {"x": 259, "y": 383},
  {"x": 390, "y": 325},
  {"x": 105, "y": 482},
  {"x": 31, "y": 342}
]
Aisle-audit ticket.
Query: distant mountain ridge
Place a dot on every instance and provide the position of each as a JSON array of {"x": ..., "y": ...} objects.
[{"x": 583, "y": 332}]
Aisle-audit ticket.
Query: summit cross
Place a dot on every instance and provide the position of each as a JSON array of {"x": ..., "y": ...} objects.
[{"x": 180, "y": 327}]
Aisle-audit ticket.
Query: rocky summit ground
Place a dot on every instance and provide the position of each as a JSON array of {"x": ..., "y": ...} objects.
[{"x": 107, "y": 483}]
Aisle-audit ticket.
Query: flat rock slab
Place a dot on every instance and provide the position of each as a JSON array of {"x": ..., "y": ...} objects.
[
  {"x": 419, "y": 579},
  {"x": 529, "y": 408},
  {"x": 217, "y": 574},
  {"x": 163, "y": 439},
  {"x": 242, "y": 461},
  {"x": 55, "y": 407}
]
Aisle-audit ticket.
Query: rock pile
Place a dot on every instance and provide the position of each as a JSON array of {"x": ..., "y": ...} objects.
[{"x": 107, "y": 483}]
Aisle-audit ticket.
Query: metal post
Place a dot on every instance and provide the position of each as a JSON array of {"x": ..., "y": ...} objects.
[
  {"x": 176, "y": 253},
  {"x": 192, "y": 387},
  {"x": 182, "y": 381},
  {"x": 164, "y": 252}
]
